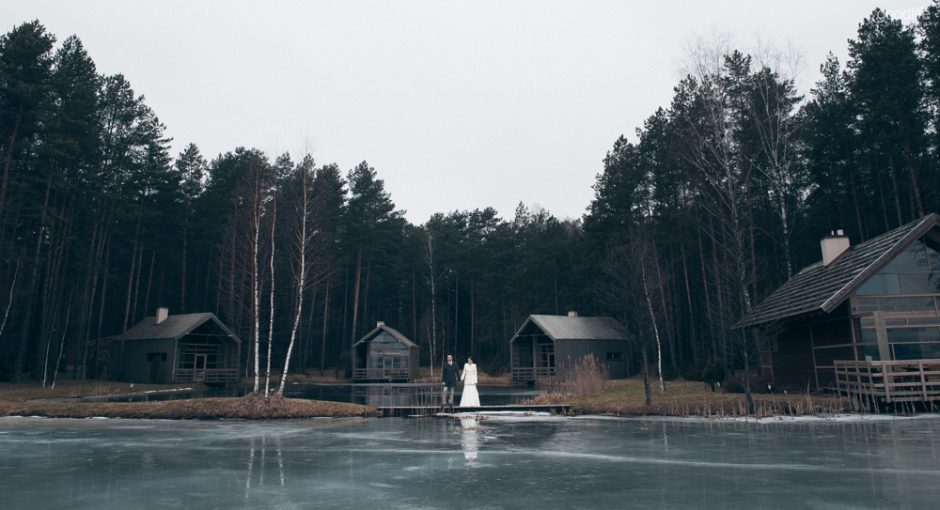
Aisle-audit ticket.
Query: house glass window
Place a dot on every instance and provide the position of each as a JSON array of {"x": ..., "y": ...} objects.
[{"x": 907, "y": 292}]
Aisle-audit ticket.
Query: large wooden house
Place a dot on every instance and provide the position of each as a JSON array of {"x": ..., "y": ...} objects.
[
  {"x": 864, "y": 318},
  {"x": 385, "y": 354},
  {"x": 545, "y": 343},
  {"x": 192, "y": 347}
]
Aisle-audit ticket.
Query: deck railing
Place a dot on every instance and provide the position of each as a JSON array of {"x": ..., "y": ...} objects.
[
  {"x": 381, "y": 374},
  {"x": 206, "y": 375},
  {"x": 529, "y": 374},
  {"x": 401, "y": 396},
  {"x": 889, "y": 381}
]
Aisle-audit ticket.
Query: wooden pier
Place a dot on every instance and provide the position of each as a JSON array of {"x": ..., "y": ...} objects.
[
  {"x": 424, "y": 399},
  {"x": 556, "y": 409},
  {"x": 888, "y": 382}
]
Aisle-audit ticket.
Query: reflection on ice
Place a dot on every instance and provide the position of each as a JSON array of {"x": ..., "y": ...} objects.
[
  {"x": 483, "y": 460},
  {"x": 470, "y": 438}
]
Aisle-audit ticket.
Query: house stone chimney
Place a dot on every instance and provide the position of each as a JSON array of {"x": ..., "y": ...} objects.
[
  {"x": 162, "y": 314},
  {"x": 572, "y": 313},
  {"x": 833, "y": 245},
  {"x": 379, "y": 324}
]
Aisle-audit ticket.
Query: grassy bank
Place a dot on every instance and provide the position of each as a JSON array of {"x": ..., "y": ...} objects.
[
  {"x": 33, "y": 400},
  {"x": 10, "y": 392},
  {"x": 691, "y": 398}
]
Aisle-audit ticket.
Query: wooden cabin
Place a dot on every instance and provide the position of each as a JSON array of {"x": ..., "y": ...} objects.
[
  {"x": 385, "y": 354},
  {"x": 545, "y": 343},
  {"x": 163, "y": 349},
  {"x": 868, "y": 313}
]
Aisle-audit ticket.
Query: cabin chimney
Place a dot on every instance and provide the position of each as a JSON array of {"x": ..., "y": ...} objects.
[
  {"x": 379, "y": 324},
  {"x": 572, "y": 313},
  {"x": 162, "y": 314},
  {"x": 833, "y": 245}
]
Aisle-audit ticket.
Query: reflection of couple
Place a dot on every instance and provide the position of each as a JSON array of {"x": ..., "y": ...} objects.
[
  {"x": 470, "y": 438},
  {"x": 470, "y": 397}
]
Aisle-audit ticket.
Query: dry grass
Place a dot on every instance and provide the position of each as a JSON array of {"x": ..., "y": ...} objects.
[
  {"x": 584, "y": 378},
  {"x": 690, "y": 398},
  {"x": 34, "y": 400},
  {"x": 81, "y": 388},
  {"x": 249, "y": 407}
]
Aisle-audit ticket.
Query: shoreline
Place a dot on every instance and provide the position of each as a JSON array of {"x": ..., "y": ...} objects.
[
  {"x": 219, "y": 408},
  {"x": 621, "y": 398}
]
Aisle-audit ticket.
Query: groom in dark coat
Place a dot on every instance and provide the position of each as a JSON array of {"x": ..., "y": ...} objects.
[{"x": 449, "y": 381}]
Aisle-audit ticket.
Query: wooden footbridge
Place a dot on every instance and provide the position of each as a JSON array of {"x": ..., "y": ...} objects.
[
  {"x": 424, "y": 399},
  {"x": 559, "y": 409}
]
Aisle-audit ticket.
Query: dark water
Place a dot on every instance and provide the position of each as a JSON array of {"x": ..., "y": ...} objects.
[
  {"x": 492, "y": 463},
  {"x": 372, "y": 394}
]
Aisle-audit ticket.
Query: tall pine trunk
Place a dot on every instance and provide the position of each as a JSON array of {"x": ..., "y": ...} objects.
[
  {"x": 355, "y": 312},
  {"x": 7, "y": 161}
]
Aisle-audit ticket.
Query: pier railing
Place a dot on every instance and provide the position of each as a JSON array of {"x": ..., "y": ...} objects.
[
  {"x": 206, "y": 375},
  {"x": 381, "y": 374},
  {"x": 889, "y": 381},
  {"x": 412, "y": 396},
  {"x": 529, "y": 374}
]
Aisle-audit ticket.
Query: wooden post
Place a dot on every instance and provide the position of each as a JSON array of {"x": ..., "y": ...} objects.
[
  {"x": 923, "y": 380},
  {"x": 884, "y": 351}
]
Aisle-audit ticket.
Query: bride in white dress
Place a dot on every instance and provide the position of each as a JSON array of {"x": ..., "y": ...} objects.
[{"x": 469, "y": 397}]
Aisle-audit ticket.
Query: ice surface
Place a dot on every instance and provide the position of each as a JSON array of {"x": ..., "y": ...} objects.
[{"x": 487, "y": 461}]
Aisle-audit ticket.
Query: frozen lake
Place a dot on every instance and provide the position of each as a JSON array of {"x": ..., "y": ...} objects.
[{"x": 497, "y": 462}]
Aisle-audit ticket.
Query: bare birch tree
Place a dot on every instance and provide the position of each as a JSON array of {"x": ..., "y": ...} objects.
[
  {"x": 267, "y": 373},
  {"x": 710, "y": 113},
  {"x": 302, "y": 243}
]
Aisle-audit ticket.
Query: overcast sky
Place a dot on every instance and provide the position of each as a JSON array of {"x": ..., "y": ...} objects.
[{"x": 457, "y": 105}]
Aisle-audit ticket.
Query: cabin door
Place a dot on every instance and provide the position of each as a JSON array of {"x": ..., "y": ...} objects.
[
  {"x": 546, "y": 355},
  {"x": 199, "y": 364}
]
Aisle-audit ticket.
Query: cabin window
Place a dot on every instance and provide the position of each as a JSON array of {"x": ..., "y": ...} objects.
[
  {"x": 199, "y": 357},
  {"x": 546, "y": 357},
  {"x": 912, "y": 259},
  {"x": 881, "y": 284},
  {"x": 614, "y": 356},
  {"x": 159, "y": 356}
]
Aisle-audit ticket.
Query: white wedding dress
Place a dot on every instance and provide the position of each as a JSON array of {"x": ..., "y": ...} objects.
[{"x": 469, "y": 397}]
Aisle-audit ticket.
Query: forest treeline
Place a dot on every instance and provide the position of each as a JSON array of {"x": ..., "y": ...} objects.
[{"x": 716, "y": 200}]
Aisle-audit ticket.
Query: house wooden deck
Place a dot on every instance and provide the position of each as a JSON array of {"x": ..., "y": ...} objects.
[{"x": 887, "y": 382}]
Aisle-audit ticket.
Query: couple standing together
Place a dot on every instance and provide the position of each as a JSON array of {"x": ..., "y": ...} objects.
[{"x": 469, "y": 397}]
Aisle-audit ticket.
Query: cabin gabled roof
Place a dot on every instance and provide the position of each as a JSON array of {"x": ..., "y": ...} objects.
[
  {"x": 818, "y": 288},
  {"x": 394, "y": 333},
  {"x": 173, "y": 327},
  {"x": 563, "y": 327}
]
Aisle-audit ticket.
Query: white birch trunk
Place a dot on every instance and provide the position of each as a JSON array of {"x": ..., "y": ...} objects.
[
  {"x": 255, "y": 292},
  {"x": 65, "y": 328},
  {"x": 649, "y": 308},
  {"x": 302, "y": 242},
  {"x": 267, "y": 376},
  {"x": 6, "y": 313}
]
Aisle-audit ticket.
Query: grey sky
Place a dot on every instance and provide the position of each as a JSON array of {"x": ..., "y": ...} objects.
[{"x": 457, "y": 105}]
